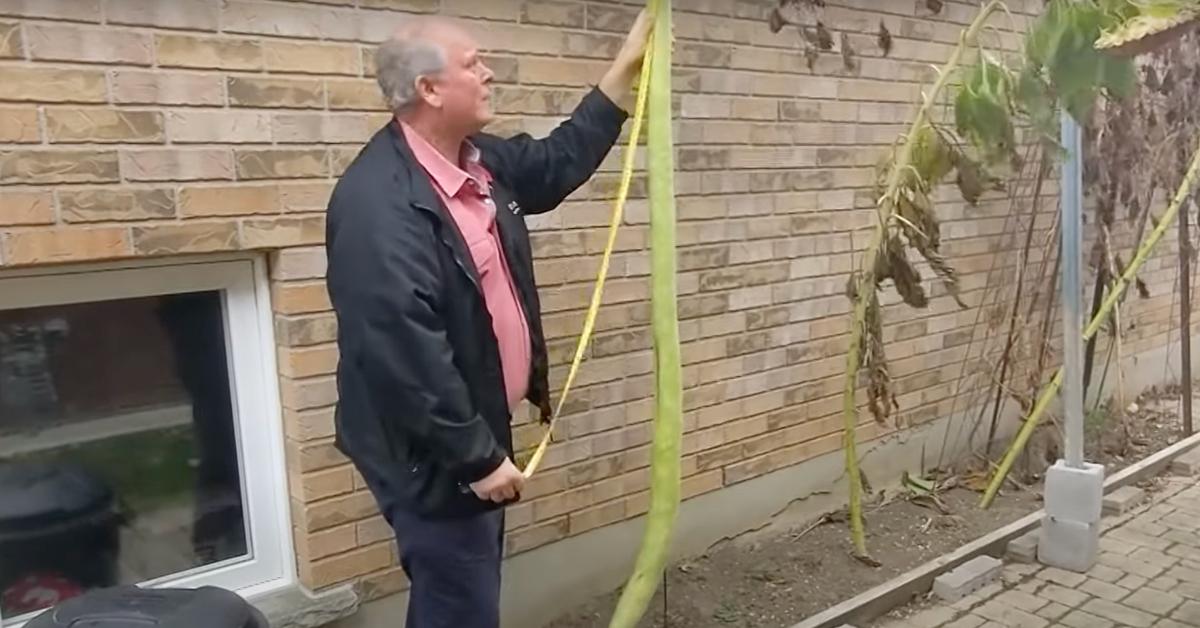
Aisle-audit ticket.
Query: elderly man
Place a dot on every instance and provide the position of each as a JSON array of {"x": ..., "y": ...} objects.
[{"x": 431, "y": 276}]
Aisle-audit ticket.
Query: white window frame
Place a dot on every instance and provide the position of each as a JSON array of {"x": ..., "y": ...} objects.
[{"x": 250, "y": 344}]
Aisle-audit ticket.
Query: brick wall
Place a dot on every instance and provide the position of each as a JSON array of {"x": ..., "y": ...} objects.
[{"x": 152, "y": 127}]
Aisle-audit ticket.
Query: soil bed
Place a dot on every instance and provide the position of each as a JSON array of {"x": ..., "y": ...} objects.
[{"x": 777, "y": 578}]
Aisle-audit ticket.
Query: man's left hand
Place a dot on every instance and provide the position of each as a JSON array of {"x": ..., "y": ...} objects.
[{"x": 618, "y": 79}]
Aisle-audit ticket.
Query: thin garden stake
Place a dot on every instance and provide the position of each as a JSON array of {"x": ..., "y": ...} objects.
[
  {"x": 668, "y": 415},
  {"x": 1114, "y": 294}
]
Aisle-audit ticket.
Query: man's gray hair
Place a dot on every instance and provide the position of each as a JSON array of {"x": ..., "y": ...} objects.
[{"x": 404, "y": 58}]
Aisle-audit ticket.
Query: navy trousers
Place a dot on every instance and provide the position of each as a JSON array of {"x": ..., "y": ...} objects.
[{"x": 454, "y": 568}]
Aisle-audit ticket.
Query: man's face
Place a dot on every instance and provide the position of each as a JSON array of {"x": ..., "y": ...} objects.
[{"x": 462, "y": 91}]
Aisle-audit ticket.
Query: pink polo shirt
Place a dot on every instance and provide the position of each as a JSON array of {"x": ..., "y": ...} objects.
[{"x": 466, "y": 194}]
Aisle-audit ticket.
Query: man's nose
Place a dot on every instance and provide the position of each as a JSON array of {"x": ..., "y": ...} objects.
[{"x": 488, "y": 74}]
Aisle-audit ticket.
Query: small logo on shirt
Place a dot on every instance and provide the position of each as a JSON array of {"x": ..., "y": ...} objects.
[{"x": 514, "y": 208}]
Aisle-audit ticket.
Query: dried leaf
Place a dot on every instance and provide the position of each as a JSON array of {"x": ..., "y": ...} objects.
[
  {"x": 848, "y": 60},
  {"x": 776, "y": 21},
  {"x": 824, "y": 37},
  {"x": 811, "y": 56},
  {"x": 885, "y": 39},
  {"x": 934, "y": 5}
]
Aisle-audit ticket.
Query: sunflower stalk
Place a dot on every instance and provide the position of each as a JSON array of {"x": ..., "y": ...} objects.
[{"x": 892, "y": 204}]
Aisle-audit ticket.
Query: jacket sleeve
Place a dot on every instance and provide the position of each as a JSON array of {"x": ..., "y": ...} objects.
[
  {"x": 543, "y": 172},
  {"x": 384, "y": 273}
]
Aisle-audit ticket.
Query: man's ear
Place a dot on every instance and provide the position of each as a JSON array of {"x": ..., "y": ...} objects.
[{"x": 427, "y": 92}]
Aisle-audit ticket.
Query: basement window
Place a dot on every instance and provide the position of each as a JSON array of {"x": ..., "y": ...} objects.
[{"x": 140, "y": 433}]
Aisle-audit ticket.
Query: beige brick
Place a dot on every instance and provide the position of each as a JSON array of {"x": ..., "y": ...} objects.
[
  {"x": 103, "y": 204},
  {"x": 58, "y": 166},
  {"x": 289, "y": 19},
  {"x": 298, "y": 331},
  {"x": 338, "y": 510},
  {"x": 200, "y": 15},
  {"x": 306, "y": 262},
  {"x": 374, "y": 530},
  {"x": 560, "y": 72},
  {"x": 65, "y": 245},
  {"x": 301, "y": 298},
  {"x": 69, "y": 10},
  {"x": 19, "y": 125},
  {"x": 383, "y": 584},
  {"x": 38, "y": 84},
  {"x": 26, "y": 207},
  {"x": 419, "y": 6},
  {"x": 324, "y": 128},
  {"x": 228, "y": 200},
  {"x": 317, "y": 545},
  {"x": 280, "y": 232},
  {"x": 88, "y": 45},
  {"x": 170, "y": 164},
  {"x": 340, "y": 159},
  {"x": 10, "y": 41},
  {"x": 305, "y": 197},
  {"x": 324, "y": 484},
  {"x": 103, "y": 125},
  {"x": 361, "y": 94},
  {"x": 536, "y": 536},
  {"x": 308, "y": 361},
  {"x": 167, "y": 88},
  {"x": 568, "y": 14},
  {"x": 308, "y": 425},
  {"x": 504, "y": 10},
  {"x": 311, "y": 58},
  {"x": 343, "y": 567},
  {"x": 190, "y": 237},
  {"x": 187, "y": 51},
  {"x": 272, "y": 163},
  {"x": 234, "y": 127},
  {"x": 308, "y": 394},
  {"x": 275, "y": 93}
]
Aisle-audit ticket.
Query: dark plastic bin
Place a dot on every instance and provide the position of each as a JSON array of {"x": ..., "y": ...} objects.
[
  {"x": 133, "y": 607},
  {"x": 59, "y": 533}
]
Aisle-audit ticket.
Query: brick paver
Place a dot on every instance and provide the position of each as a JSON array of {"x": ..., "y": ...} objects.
[{"x": 1147, "y": 575}]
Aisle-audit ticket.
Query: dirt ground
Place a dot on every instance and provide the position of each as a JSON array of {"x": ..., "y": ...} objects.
[{"x": 777, "y": 579}]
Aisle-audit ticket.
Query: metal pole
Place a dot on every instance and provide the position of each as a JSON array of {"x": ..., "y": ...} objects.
[
  {"x": 1185, "y": 317},
  {"x": 1072, "y": 227}
]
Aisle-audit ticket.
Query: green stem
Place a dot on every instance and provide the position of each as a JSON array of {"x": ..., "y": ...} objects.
[
  {"x": 866, "y": 274},
  {"x": 1114, "y": 295},
  {"x": 668, "y": 419}
]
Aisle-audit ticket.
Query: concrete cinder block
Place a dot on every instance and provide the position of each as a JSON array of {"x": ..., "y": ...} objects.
[
  {"x": 967, "y": 578},
  {"x": 1075, "y": 494},
  {"x": 1069, "y": 545},
  {"x": 1123, "y": 500},
  {"x": 1187, "y": 465},
  {"x": 1023, "y": 549}
]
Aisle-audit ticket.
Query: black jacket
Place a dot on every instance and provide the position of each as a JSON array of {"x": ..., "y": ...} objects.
[{"x": 421, "y": 404}]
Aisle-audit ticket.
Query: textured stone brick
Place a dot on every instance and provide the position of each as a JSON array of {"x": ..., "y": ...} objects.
[
  {"x": 552, "y": 13},
  {"x": 58, "y": 166},
  {"x": 502, "y": 10},
  {"x": 308, "y": 361},
  {"x": 275, "y": 93},
  {"x": 105, "y": 204},
  {"x": 317, "y": 545},
  {"x": 185, "y": 14},
  {"x": 281, "y": 232},
  {"x": 228, "y": 200},
  {"x": 68, "y": 10},
  {"x": 419, "y": 6},
  {"x": 311, "y": 128},
  {"x": 289, "y": 19},
  {"x": 52, "y": 85},
  {"x": 311, "y": 58},
  {"x": 103, "y": 126},
  {"x": 270, "y": 163},
  {"x": 298, "y": 263},
  {"x": 308, "y": 425},
  {"x": 167, "y": 88},
  {"x": 11, "y": 46},
  {"x": 26, "y": 207},
  {"x": 234, "y": 127},
  {"x": 305, "y": 197},
  {"x": 88, "y": 45},
  {"x": 342, "y": 567},
  {"x": 170, "y": 164},
  {"x": 50, "y": 246},
  {"x": 360, "y": 94},
  {"x": 188, "y": 237},
  {"x": 19, "y": 125},
  {"x": 187, "y": 51},
  {"x": 302, "y": 298}
]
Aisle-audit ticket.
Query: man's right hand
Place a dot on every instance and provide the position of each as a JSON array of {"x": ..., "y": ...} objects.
[{"x": 503, "y": 484}]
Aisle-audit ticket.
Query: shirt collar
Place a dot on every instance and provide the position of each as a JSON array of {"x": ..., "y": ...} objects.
[{"x": 446, "y": 175}]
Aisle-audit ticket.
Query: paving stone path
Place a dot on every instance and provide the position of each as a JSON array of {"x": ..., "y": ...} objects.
[{"x": 1148, "y": 575}]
